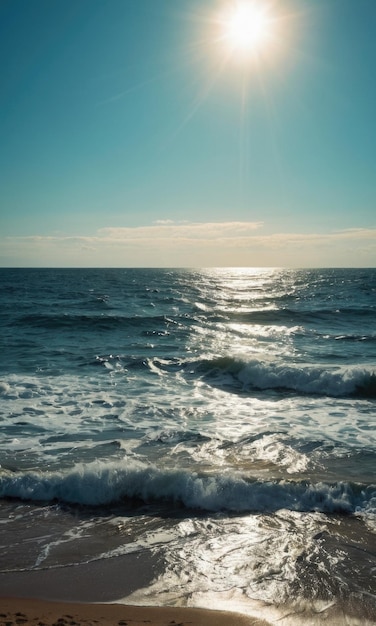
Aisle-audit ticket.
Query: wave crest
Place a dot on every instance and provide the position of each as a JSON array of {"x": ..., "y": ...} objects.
[
  {"x": 305, "y": 379},
  {"x": 101, "y": 484}
]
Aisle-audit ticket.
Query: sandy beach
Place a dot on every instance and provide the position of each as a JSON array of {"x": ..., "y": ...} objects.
[
  {"x": 91, "y": 594},
  {"x": 17, "y": 611}
]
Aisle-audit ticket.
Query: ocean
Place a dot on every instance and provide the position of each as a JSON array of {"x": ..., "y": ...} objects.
[{"x": 224, "y": 420}]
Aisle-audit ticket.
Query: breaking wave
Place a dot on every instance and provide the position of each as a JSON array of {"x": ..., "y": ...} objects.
[
  {"x": 304, "y": 379},
  {"x": 100, "y": 483}
]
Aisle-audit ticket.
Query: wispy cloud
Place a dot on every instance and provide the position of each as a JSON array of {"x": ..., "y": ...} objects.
[
  {"x": 193, "y": 244},
  {"x": 189, "y": 232}
]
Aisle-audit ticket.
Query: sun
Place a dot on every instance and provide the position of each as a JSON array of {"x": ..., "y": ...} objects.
[{"x": 247, "y": 27}]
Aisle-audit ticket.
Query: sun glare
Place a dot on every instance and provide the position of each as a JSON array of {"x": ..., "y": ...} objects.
[{"x": 247, "y": 27}]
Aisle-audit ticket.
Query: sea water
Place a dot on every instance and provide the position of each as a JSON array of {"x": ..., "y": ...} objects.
[{"x": 224, "y": 419}]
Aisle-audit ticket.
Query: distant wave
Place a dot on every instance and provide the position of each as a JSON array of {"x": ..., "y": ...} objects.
[
  {"x": 305, "y": 379},
  {"x": 90, "y": 322},
  {"x": 271, "y": 316},
  {"x": 285, "y": 315},
  {"x": 99, "y": 483}
]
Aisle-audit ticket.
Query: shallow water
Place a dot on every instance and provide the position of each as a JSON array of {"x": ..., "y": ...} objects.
[{"x": 223, "y": 419}]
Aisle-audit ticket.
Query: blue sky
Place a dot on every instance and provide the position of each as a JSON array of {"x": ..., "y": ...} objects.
[{"x": 130, "y": 136}]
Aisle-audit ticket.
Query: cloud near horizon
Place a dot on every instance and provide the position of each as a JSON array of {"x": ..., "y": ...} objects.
[{"x": 187, "y": 244}]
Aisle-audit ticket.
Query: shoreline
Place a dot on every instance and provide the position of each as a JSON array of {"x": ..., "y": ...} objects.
[
  {"x": 95, "y": 593},
  {"x": 34, "y": 612}
]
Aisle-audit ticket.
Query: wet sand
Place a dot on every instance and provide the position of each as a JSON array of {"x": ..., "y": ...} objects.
[
  {"x": 18, "y": 612},
  {"x": 92, "y": 594},
  {"x": 105, "y": 580}
]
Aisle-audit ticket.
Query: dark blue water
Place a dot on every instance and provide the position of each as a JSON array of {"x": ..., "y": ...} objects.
[{"x": 244, "y": 397}]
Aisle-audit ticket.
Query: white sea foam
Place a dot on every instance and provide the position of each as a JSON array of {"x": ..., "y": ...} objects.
[{"x": 4, "y": 388}]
